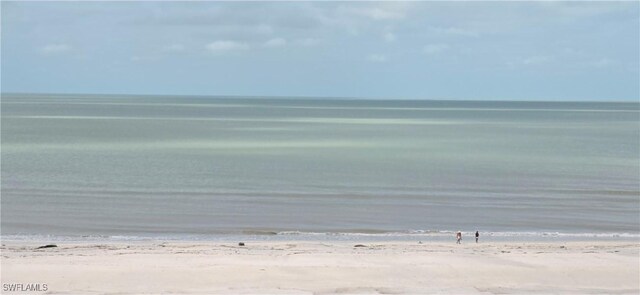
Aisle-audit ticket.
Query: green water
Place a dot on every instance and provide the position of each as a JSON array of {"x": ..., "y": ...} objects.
[{"x": 118, "y": 165}]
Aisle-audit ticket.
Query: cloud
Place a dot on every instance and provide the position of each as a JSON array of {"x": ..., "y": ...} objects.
[
  {"x": 453, "y": 31},
  {"x": 585, "y": 9},
  {"x": 382, "y": 14},
  {"x": 263, "y": 29},
  {"x": 435, "y": 48},
  {"x": 174, "y": 48},
  {"x": 389, "y": 37},
  {"x": 51, "y": 49},
  {"x": 530, "y": 61},
  {"x": 137, "y": 58},
  {"x": 601, "y": 63},
  {"x": 573, "y": 51},
  {"x": 376, "y": 58},
  {"x": 573, "y": 39},
  {"x": 308, "y": 42},
  {"x": 275, "y": 42},
  {"x": 535, "y": 60},
  {"x": 377, "y": 11},
  {"x": 222, "y": 46}
]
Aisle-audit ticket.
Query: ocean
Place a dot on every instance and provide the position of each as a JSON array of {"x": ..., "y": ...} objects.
[{"x": 172, "y": 167}]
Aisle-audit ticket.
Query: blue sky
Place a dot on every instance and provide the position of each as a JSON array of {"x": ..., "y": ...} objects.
[{"x": 411, "y": 50}]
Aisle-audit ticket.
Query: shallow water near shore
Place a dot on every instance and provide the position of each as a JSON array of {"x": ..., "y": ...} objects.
[{"x": 135, "y": 167}]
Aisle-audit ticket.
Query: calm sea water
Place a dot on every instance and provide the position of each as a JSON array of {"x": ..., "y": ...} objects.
[{"x": 196, "y": 167}]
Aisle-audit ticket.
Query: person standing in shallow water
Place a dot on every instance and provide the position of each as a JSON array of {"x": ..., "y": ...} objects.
[
  {"x": 458, "y": 237},
  {"x": 477, "y": 236}
]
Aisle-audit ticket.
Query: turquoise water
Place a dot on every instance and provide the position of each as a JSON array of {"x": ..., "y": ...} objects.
[{"x": 198, "y": 166}]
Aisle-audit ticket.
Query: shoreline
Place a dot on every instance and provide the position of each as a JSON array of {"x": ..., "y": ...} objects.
[
  {"x": 302, "y": 236},
  {"x": 325, "y": 267}
]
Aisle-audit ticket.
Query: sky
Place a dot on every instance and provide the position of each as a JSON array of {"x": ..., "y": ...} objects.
[{"x": 399, "y": 50}]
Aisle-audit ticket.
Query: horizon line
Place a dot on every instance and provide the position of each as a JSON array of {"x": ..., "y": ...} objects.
[{"x": 308, "y": 97}]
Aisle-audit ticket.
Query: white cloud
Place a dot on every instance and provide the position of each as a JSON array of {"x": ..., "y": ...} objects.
[
  {"x": 263, "y": 29},
  {"x": 389, "y": 37},
  {"x": 222, "y": 46},
  {"x": 530, "y": 61},
  {"x": 55, "y": 48},
  {"x": 601, "y": 63},
  {"x": 275, "y": 42},
  {"x": 453, "y": 31},
  {"x": 435, "y": 48},
  {"x": 572, "y": 51},
  {"x": 382, "y": 14},
  {"x": 376, "y": 11},
  {"x": 584, "y": 10},
  {"x": 137, "y": 58},
  {"x": 174, "y": 48},
  {"x": 308, "y": 42},
  {"x": 535, "y": 60},
  {"x": 376, "y": 58}
]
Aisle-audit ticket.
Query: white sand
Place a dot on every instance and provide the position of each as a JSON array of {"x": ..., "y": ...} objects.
[{"x": 325, "y": 268}]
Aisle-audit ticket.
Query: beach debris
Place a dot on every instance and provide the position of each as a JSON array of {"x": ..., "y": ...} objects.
[
  {"x": 47, "y": 246},
  {"x": 241, "y": 244},
  {"x": 359, "y": 245},
  {"x": 563, "y": 247}
]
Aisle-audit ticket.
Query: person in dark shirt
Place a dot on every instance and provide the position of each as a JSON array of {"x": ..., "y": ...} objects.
[{"x": 477, "y": 236}]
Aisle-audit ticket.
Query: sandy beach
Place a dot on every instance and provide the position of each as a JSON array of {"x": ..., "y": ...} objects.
[{"x": 323, "y": 268}]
